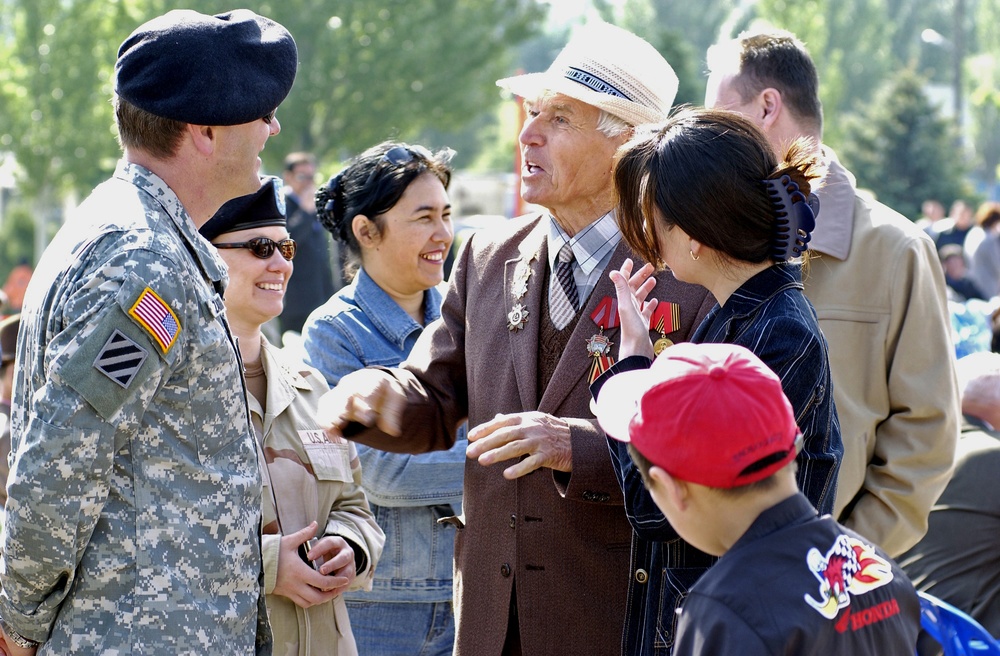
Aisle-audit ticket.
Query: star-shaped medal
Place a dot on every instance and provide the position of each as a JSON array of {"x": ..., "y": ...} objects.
[{"x": 517, "y": 317}]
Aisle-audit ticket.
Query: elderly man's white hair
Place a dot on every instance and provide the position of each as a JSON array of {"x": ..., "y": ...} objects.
[{"x": 979, "y": 381}]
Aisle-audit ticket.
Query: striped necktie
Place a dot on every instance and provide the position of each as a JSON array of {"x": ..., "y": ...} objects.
[{"x": 564, "y": 299}]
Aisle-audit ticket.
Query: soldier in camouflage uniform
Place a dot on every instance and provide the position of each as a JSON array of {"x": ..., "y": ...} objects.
[
  {"x": 312, "y": 482},
  {"x": 134, "y": 493}
]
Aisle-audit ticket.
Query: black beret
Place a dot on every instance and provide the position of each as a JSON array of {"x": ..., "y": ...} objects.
[
  {"x": 265, "y": 207},
  {"x": 8, "y": 338},
  {"x": 227, "y": 69}
]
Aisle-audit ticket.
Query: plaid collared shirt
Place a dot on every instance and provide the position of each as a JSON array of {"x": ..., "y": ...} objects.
[{"x": 592, "y": 250}]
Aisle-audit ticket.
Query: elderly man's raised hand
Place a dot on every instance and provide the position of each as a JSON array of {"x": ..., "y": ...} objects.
[{"x": 369, "y": 397}]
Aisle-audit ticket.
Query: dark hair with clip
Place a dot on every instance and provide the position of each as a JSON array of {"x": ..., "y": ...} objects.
[
  {"x": 702, "y": 171},
  {"x": 795, "y": 215},
  {"x": 371, "y": 185}
]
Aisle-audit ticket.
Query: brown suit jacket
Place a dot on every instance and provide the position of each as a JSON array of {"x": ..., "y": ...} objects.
[{"x": 563, "y": 538}]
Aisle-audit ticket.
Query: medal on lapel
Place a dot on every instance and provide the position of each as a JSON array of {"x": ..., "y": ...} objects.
[
  {"x": 518, "y": 315},
  {"x": 605, "y": 315},
  {"x": 666, "y": 318}
]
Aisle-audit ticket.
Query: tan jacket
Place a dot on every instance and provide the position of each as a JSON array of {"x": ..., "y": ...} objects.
[
  {"x": 331, "y": 495},
  {"x": 562, "y": 542},
  {"x": 878, "y": 289}
]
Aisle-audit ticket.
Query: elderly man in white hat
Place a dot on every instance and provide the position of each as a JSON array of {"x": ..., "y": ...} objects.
[{"x": 542, "y": 550}]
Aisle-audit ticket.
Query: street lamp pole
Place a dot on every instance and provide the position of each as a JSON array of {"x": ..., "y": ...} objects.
[{"x": 958, "y": 54}]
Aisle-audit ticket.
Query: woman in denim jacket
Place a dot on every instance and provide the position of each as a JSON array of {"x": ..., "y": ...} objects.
[
  {"x": 390, "y": 209},
  {"x": 705, "y": 196}
]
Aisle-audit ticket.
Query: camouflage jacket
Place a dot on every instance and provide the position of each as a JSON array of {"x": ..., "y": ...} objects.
[
  {"x": 133, "y": 513},
  {"x": 309, "y": 478}
]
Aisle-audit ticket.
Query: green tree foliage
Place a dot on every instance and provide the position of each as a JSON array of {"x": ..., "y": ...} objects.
[
  {"x": 857, "y": 45},
  {"x": 899, "y": 147},
  {"x": 690, "y": 28},
  {"x": 984, "y": 99},
  {"x": 650, "y": 20},
  {"x": 984, "y": 109},
  {"x": 368, "y": 70},
  {"x": 371, "y": 70},
  {"x": 55, "y": 88}
]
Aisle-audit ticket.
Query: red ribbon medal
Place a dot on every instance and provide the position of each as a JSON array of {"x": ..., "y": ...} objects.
[
  {"x": 666, "y": 318},
  {"x": 605, "y": 315}
]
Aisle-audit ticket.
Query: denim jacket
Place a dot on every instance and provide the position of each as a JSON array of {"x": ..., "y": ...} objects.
[
  {"x": 362, "y": 326},
  {"x": 770, "y": 316}
]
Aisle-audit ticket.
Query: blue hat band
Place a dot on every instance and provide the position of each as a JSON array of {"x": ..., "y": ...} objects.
[{"x": 594, "y": 83}]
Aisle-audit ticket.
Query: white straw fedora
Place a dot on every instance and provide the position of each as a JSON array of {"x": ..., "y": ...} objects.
[{"x": 609, "y": 68}]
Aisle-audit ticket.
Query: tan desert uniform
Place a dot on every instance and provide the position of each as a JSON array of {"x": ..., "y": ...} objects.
[{"x": 313, "y": 479}]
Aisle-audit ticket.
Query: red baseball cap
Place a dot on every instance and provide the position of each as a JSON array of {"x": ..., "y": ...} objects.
[{"x": 711, "y": 414}]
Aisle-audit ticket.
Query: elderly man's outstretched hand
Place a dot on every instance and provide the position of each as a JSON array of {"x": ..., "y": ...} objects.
[{"x": 369, "y": 397}]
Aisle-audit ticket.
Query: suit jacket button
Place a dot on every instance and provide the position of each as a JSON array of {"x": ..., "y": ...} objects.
[
  {"x": 505, "y": 570},
  {"x": 641, "y": 576}
]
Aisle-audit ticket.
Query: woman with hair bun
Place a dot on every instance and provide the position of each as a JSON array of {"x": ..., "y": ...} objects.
[
  {"x": 390, "y": 210},
  {"x": 705, "y": 196}
]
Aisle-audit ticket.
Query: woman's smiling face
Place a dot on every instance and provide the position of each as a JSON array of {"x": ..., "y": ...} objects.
[
  {"x": 256, "y": 290},
  {"x": 413, "y": 239}
]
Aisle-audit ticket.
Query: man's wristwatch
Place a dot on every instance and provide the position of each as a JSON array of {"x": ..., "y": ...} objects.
[{"x": 16, "y": 637}]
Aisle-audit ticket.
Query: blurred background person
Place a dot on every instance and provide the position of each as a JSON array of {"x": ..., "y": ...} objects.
[
  {"x": 14, "y": 287},
  {"x": 968, "y": 309},
  {"x": 957, "y": 560},
  {"x": 985, "y": 254},
  {"x": 955, "y": 228},
  {"x": 389, "y": 209},
  {"x": 931, "y": 211},
  {"x": 8, "y": 345},
  {"x": 956, "y": 273},
  {"x": 312, "y": 486},
  {"x": 316, "y": 277}
]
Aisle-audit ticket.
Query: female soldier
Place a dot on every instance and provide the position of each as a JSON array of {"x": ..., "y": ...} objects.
[{"x": 312, "y": 487}]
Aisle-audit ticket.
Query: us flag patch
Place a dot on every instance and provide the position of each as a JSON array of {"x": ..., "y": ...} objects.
[
  {"x": 157, "y": 318},
  {"x": 120, "y": 359}
]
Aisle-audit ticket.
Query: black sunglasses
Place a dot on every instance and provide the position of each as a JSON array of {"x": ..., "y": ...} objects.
[
  {"x": 399, "y": 156},
  {"x": 267, "y": 118},
  {"x": 263, "y": 247}
]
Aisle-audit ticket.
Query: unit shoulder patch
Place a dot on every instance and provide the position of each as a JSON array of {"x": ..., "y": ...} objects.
[{"x": 120, "y": 359}]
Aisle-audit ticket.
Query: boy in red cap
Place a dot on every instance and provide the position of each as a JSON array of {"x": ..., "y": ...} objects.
[{"x": 715, "y": 439}]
